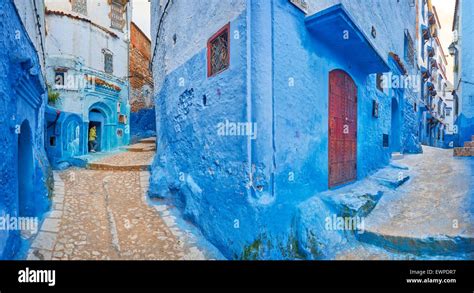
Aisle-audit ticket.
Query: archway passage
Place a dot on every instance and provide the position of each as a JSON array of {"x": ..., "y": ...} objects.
[
  {"x": 25, "y": 172},
  {"x": 395, "y": 127},
  {"x": 97, "y": 120},
  {"x": 342, "y": 128}
]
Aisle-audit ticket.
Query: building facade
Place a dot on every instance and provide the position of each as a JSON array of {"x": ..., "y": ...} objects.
[
  {"x": 433, "y": 127},
  {"x": 463, "y": 29},
  {"x": 87, "y": 67},
  {"x": 261, "y": 105},
  {"x": 142, "y": 115},
  {"x": 24, "y": 168}
]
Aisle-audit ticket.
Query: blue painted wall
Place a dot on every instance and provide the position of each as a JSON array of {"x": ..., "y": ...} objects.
[
  {"x": 142, "y": 124},
  {"x": 244, "y": 193},
  {"x": 22, "y": 100},
  {"x": 68, "y": 131},
  {"x": 465, "y": 120}
]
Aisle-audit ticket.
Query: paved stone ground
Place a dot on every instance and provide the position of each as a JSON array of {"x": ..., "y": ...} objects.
[
  {"x": 429, "y": 217},
  {"x": 436, "y": 201},
  {"x": 104, "y": 215},
  {"x": 127, "y": 159}
]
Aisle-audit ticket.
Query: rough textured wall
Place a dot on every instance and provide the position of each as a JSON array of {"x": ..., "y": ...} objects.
[
  {"x": 22, "y": 100},
  {"x": 31, "y": 13},
  {"x": 141, "y": 80},
  {"x": 142, "y": 124},
  {"x": 466, "y": 116},
  {"x": 240, "y": 191},
  {"x": 206, "y": 172}
]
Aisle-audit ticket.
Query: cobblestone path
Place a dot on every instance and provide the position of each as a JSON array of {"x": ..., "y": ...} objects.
[{"x": 104, "y": 215}]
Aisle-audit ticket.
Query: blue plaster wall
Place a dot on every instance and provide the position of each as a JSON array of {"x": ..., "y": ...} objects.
[
  {"x": 142, "y": 123},
  {"x": 22, "y": 99},
  {"x": 192, "y": 158},
  {"x": 465, "y": 120},
  {"x": 221, "y": 180}
]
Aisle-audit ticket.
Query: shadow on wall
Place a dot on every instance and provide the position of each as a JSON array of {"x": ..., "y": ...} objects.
[{"x": 142, "y": 124}]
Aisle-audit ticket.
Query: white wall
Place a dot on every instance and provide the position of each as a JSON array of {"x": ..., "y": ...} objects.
[
  {"x": 206, "y": 17},
  {"x": 33, "y": 21},
  {"x": 97, "y": 11},
  {"x": 68, "y": 36}
]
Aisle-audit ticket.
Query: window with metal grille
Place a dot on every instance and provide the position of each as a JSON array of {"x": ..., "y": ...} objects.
[
  {"x": 409, "y": 49},
  {"x": 218, "y": 52},
  {"x": 116, "y": 14},
  {"x": 108, "y": 62},
  {"x": 79, "y": 6}
]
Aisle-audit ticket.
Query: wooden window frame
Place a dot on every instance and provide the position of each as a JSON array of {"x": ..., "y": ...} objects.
[{"x": 209, "y": 41}]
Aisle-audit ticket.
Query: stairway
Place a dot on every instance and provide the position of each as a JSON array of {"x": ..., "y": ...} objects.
[
  {"x": 136, "y": 157},
  {"x": 467, "y": 150}
]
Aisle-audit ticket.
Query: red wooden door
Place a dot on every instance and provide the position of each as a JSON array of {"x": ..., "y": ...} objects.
[{"x": 342, "y": 128}]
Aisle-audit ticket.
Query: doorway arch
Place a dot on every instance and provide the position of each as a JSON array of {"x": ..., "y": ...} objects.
[
  {"x": 97, "y": 120},
  {"x": 25, "y": 171},
  {"x": 99, "y": 116}
]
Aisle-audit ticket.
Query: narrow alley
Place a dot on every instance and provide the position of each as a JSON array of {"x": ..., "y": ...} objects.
[{"x": 102, "y": 212}]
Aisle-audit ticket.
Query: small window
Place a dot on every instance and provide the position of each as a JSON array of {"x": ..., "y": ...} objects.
[
  {"x": 52, "y": 141},
  {"x": 108, "y": 62},
  {"x": 59, "y": 78},
  {"x": 385, "y": 141},
  {"x": 116, "y": 14},
  {"x": 375, "y": 109},
  {"x": 218, "y": 52},
  {"x": 122, "y": 119},
  {"x": 79, "y": 6},
  {"x": 379, "y": 81}
]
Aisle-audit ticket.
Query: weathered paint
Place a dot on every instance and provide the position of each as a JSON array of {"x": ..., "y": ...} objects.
[
  {"x": 463, "y": 80},
  {"x": 24, "y": 168},
  {"x": 142, "y": 124},
  {"x": 243, "y": 192},
  {"x": 76, "y": 44}
]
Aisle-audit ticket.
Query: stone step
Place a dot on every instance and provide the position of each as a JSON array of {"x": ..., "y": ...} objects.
[
  {"x": 428, "y": 244},
  {"x": 472, "y": 137},
  {"x": 141, "y": 147},
  {"x": 464, "y": 152},
  {"x": 397, "y": 156},
  {"x": 109, "y": 167},
  {"x": 469, "y": 144},
  {"x": 148, "y": 140}
]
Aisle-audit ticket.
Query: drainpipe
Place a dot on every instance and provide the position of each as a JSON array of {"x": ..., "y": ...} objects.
[
  {"x": 249, "y": 95},
  {"x": 261, "y": 94}
]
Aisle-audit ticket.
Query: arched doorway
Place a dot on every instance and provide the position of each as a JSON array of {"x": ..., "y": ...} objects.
[
  {"x": 25, "y": 172},
  {"x": 395, "y": 127},
  {"x": 100, "y": 116},
  {"x": 97, "y": 120},
  {"x": 342, "y": 128}
]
